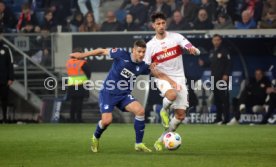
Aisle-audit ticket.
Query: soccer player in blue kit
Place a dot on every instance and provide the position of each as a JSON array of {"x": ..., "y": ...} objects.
[{"x": 126, "y": 66}]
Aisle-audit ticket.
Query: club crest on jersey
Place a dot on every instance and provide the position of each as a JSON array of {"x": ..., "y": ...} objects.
[
  {"x": 137, "y": 68},
  {"x": 126, "y": 73},
  {"x": 106, "y": 106}
]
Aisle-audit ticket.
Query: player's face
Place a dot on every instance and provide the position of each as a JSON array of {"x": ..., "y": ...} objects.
[
  {"x": 139, "y": 54},
  {"x": 159, "y": 26}
]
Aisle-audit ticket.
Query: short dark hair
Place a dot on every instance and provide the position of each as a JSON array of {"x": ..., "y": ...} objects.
[
  {"x": 158, "y": 15},
  {"x": 217, "y": 35},
  {"x": 140, "y": 43}
]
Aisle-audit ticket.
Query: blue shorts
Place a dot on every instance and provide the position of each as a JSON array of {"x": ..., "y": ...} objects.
[{"x": 108, "y": 101}]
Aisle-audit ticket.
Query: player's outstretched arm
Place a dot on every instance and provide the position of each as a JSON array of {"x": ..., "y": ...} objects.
[
  {"x": 95, "y": 52},
  {"x": 158, "y": 74}
]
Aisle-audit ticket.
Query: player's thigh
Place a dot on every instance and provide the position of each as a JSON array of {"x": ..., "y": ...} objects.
[
  {"x": 166, "y": 89},
  {"x": 181, "y": 101},
  {"x": 136, "y": 108},
  {"x": 107, "y": 102}
]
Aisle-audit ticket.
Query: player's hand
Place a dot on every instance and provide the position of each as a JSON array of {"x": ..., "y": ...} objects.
[
  {"x": 175, "y": 86},
  {"x": 153, "y": 65},
  {"x": 76, "y": 55},
  {"x": 193, "y": 51}
]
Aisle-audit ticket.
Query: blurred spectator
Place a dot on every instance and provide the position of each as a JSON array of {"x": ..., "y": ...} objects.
[
  {"x": 7, "y": 18},
  {"x": 111, "y": 24},
  {"x": 271, "y": 91},
  {"x": 253, "y": 94},
  {"x": 88, "y": 24},
  {"x": 128, "y": 24},
  {"x": 188, "y": 10},
  {"x": 222, "y": 8},
  {"x": 178, "y": 22},
  {"x": 268, "y": 4},
  {"x": 148, "y": 3},
  {"x": 76, "y": 22},
  {"x": 202, "y": 22},
  {"x": 224, "y": 22},
  {"x": 43, "y": 48},
  {"x": 172, "y": 4},
  {"x": 7, "y": 77},
  {"x": 139, "y": 12},
  {"x": 161, "y": 6},
  {"x": 61, "y": 11},
  {"x": 247, "y": 21},
  {"x": 28, "y": 28},
  {"x": 27, "y": 16},
  {"x": 269, "y": 21},
  {"x": 95, "y": 7},
  {"x": 255, "y": 7},
  {"x": 49, "y": 21},
  {"x": 209, "y": 7}
]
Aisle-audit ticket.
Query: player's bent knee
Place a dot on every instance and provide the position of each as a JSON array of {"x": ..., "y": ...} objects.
[
  {"x": 106, "y": 121},
  {"x": 171, "y": 95},
  {"x": 140, "y": 112}
]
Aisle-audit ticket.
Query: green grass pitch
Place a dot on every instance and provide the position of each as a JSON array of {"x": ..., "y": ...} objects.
[{"x": 68, "y": 145}]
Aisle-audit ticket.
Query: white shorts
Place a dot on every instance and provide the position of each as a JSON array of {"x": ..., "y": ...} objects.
[{"x": 181, "y": 101}]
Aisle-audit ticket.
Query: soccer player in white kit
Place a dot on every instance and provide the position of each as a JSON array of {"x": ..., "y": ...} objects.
[{"x": 165, "y": 49}]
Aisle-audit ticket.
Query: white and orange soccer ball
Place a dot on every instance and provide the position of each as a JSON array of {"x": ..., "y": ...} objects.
[{"x": 172, "y": 140}]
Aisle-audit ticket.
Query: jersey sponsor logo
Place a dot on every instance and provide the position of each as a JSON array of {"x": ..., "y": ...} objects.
[
  {"x": 126, "y": 73},
  {"x": 166, "y": 55}
]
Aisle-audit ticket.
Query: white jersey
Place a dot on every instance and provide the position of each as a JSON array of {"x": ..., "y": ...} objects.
[{"x": 167, "y": 53}]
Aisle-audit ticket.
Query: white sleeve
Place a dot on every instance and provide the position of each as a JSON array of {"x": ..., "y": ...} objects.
[
  {"x": 148, "y": 54},
  {"x": 182, "y": 41}
]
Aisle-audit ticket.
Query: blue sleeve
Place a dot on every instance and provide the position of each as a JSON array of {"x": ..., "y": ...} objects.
[
  {"x": 146, "y": 70},
  {"x": 116, "y": 53}
]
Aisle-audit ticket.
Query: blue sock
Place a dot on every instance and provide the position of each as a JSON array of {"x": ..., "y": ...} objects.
[
  {"x": 99, "y": 130},
  {"x": 139, "y": 126}
]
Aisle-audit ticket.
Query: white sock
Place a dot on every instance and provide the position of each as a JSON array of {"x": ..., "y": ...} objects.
[
  {"x": 166, "y": 103},
  {"x": 174, "y": 123},
  {"x": 101, "y": 125}
]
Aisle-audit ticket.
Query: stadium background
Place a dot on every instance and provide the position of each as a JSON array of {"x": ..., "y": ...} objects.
[
  {"x": 38, "y": 134},
  {"x": 31, "y": 102}
]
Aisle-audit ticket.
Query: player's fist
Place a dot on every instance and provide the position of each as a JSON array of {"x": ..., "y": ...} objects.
[
  {"x": 193, "y": 51},
  {"x": 153, "y": 65}
]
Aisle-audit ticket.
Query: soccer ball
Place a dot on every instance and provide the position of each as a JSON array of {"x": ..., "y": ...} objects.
[{"x": 172, "y": 140}]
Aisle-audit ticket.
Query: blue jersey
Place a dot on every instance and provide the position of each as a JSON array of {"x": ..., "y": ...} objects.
[{"x": 123, "y": 73}]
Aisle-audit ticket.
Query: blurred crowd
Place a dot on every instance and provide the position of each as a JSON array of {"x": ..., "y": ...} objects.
[{"x": 133, "y": 15}]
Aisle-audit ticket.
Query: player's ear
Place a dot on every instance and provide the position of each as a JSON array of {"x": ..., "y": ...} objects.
[{"x": 152, "y": 25}]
